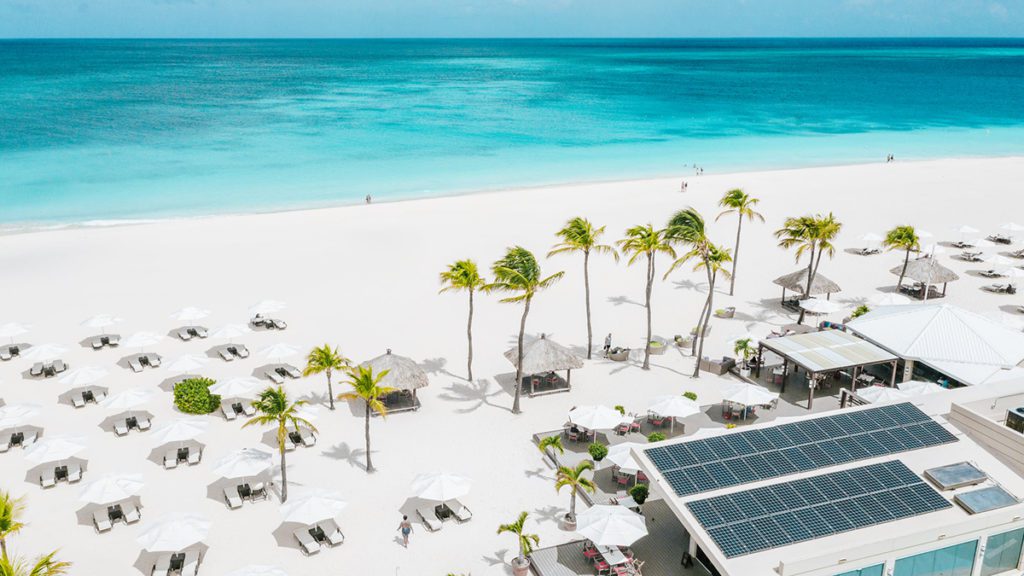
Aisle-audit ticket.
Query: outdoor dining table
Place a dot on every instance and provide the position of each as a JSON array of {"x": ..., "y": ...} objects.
[{"x": 612, "y": 555}]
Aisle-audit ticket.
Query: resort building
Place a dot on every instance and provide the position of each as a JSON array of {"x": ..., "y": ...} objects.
[{"x": 926, "y": 487}]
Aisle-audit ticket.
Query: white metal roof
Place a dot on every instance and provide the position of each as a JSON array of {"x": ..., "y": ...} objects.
[{"x": 828, "y": 350}]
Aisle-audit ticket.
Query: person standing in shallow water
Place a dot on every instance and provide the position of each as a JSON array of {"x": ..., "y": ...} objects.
[{"x": 405, "y": 527}]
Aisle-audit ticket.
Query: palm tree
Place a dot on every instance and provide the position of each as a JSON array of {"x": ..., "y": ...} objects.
[
  {"x": 553, "y": 442},
  {"x": 11, "y": 509},
  {"x": 646, "y": 241},
  {"x": 366, "y": 386},
  {"x": 519, "y": 274},
  {"x": 463, "y": 275},
  {"x": 276, "y": 410},
  {"x": 526, "y": 541},
  {"x": 687, "y": 227},
  {"x": 326, "y": 360},
  {"x": 902, "y": 238},
  {"x": 579, "y": 235},
  {"x": 742, "y": 204},
  {"x": 42, "y": 566},
  {"x": 574, "y": 479},
  {"x": 715, "y": 263},
  {"x": 810, "y": 235}
]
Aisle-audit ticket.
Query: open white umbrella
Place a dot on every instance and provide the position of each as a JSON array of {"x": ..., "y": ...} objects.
[
  {"x": 440, "y": 487},
  {"x": 102, "y": 321},
  {"x": 111, "y": 488},
  {"x": 817, "y": 306},
  {"x": 1012, "y": 227},
  {"x": 267, "y": 307},
  {"x": 12, "y": 329},
  {"x": 13, "y": 415},
  {"x": 1010, "y": 272},
  {"x": 179, "y": 430},
  {"x": 882, "y": 394},
  {"x": 889, "y": 299},
  {"x": 311, "y": 506},
  {"x": 871, "y": 238},
  {"x": 240, "y": 387},
  {"x": 924, "y": 234},
  {"x": 964, "y": 230},
  {"x": 190, "y": 314},
  {"x": 44, "y": 352},
  {"x": 673, "y": 406},
  {"x": 257, "y": 570},
  {"x": 610, "y": 525},
  {"x": 621, "y": 455},
  {"x": 595, "y": 417},
  {"x": 229, "y": 331},
  {"x": 54, "y": 448},
  {"x": 999, "y": 260},
  {"x": 83, "y": 376},
  {"x": 919, "y": 387},
  {"x": 984, "y": 243},
  {"x": 932, "y": 249},
  {"x": 243, "y": 463},
  {"x": 187, "y": 363},
  {"x": 748, "y": 394},
  {"x": 141, "y": 340},
  {"x": 126, "y": 399},
  {"x": 279, "y": 350},
  {"x": 174, "y": 532}
]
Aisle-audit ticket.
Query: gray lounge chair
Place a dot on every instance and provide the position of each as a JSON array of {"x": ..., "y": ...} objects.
[
  {"x": 131, "y": 514},
  {"x": 36, "y": 370},
  {"x": 308, "y": 439},
  {"x": 429, "y": 519},
  {"x": 306, "y": 541},
  {"x": 171, "y": 459},
  {"x": 191, "y": 565},
  {"x": 59, "y": 366},
  {"x": 194, "y": 456},
  {"x": 162, "y": 566},
  {"x": 46, "y": 479},
  {"x": 74, "y": 473},
  {"x": 78, "y": 401},
  {"x": 274, "y": 377},
  {"x": 248, "y": 409},
  {"x": 226, "y": 354},
  {"x": 231, "y": 497},
  {"x": 200, "y": 331},
  {"x": 101, "y": 520},
  {"x": 135, "y": 365},
  {"x": 462, "y": 514},
  {"x": 333, "y": 533},
  {"x": 292, "y": 371},
  {"x": 144, "y": 423},
  {"x": 184, "y": 334},
  {"x": 121, "y": 428},
  {"x": 228, "y": 410}
]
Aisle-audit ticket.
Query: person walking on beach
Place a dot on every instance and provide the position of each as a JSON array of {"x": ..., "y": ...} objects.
[
  {"x": 369, "y": 198},
  {"x": 607, "y": 343},
  {"x": 405, "y": 527}
]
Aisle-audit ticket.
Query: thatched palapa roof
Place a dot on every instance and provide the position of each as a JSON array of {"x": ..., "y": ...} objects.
[
  {"x": 543, "y": 355},
  {"x": 796, "y": 282},
  {"x": 403, "y": 373},
  {"x": 927, "y": 270}
]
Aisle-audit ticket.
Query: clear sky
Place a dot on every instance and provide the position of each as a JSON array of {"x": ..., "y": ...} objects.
[{"x": 509, "y": 18}]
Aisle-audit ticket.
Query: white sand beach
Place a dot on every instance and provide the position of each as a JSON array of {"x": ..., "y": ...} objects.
[{"x": 365, "y": 278}]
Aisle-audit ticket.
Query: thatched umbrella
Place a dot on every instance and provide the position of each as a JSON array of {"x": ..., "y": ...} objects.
[
  {"x": 928, "y": 271},
  {"x": 797, "y": 282},
  {"x": 403, "y": 373},
  {"x": 542, "y": 356}
]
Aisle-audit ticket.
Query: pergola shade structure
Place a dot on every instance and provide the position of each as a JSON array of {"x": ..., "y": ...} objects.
[
  {"x": 797, "y": 282},
  {"x": 826, "y": 352},
  {"x": 542, "y": 358},
  {"x": 928, "y": 272},
  {"x": 404, "y": 375}
]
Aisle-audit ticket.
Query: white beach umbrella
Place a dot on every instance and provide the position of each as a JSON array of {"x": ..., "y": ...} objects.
[
  {"x": 267, "y": 307},
  {"x": 15, "y": 414},
  {"x": 882, "y": 394},
  {"x": 1012, "y": 227},
  {"x": 820, "y": 306},
  {"x": 621, "y": 455},
  {"x": 174, "y": 532},
  {"x": 101, "y": 321},
  {"x": 257, "y": 570},
  {"x": 12, "y": 329},
  {"x": 1010, "y": 272},
  {"x": 308, "y": 412},
  {"x": 748, "y": 394},
  {"x": 54, "y": 448},
  {"x": 179, "y": 430},
  {"x": 312, "y": 505},
  {"x": 674, "y": 406},
  {"x": 920, "y": 387},
  {"x": 595, "y": 417},
  {"x": 187, "y": 363},
  {"x": 240, "y": 387},
  {"x": 964, "y": 230},
  {"x": 871, "y": 238},
  {"x": 924, "y": 234},
  {"x": 126, "y": 399},
  {"x": 229, "y": 331},
  {"x": 440, "y": 487},
  {"x": 190, "y": 314},
  {"x": 889, "y": 299},
  {"x": 279, "y": 350},
  {"x": 610, "y": 525},
  {"x": 44, "y": 352},
  {"x": 243, "y": 463},
  {"x": 83, "y": 376},
  {"x": 111, "y": 488},
  {"x": 932, "y": 249},
  {"x": 999, "y": 260},
  {"x": 142, "y": 339},
  {"x": 984, "y": 243}
]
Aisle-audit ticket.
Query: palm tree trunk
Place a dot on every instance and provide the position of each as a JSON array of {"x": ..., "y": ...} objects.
[
  {"x": 572, "y": 504},
  {"x": 707, "y": 318},
  {"x": 519, "y": 360},
  {"x": 284, "y": 473},
  {"x": 903, "y": 272},
  {"x": 650, "y": 286},
  {"x": 702, "y": 323},
  {"x": 330, "y": 389},
  {"x": 735, "y": 255},
  {"x": 369, "y": 461},
  {"x": 696, "y": 331},
  {"x": 586, "y": 285},
  {"x": 3, "y": 548},
  {"x": 469, "y": 336}
]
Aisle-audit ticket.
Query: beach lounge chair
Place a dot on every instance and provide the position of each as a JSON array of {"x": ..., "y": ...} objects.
[
  {"x": 226, "y": 354},
  {"x": 258, "y": 490},
  {"x": 292, "y": 371},
  {"x": 332, "y": 532},
  {"x": 231, "y": 498},
  {"x": 194, "y": 456},
  {"x": 143, "y": 423},
  {"x": 199, "y": 331},
  {"x": 131, "y": 514},
  {"x": 1018, "y": 253},
  {"x": 162, "y": 565},
  {"x": 29, "y": 439},
  {"x": 135, "y": 365},
  {"x": 248, "y": 409},
  {"x": 5, "y": 445},
  {"x": 279, "y": 324},
  {"x": 112, "y": 340},
  {"x": 991, "y": 274},
  {"x": 121, "y": 428},
  {"x": 228, "y": 410},
  {"x": 36, "y": 370},
  {"x": 462, "y": 514},
  {"x": 170, "y": 459},
  {"x": 241, "y": 351},
  {"x": 1001, "y": 288},
  {"x": 191, "y": 564},
  {"x": 184, "y": 334},
  {"x": 289, "y": 444},
  {"x": 97, "y": 343},
  {"x": 78, "y": 401},
  {"x": 308, "y": 439},
  {"x": 274, "y": 377},
  {"x": 429, "y": 519},
  {"x": 101, "y": 520},
  {"x": 59, "y": 366},
  {"x": 306, "y": 541},
  {"x": 74, "y": 473},
  {"x": 258, "y": 320},
  {"x": 5, "y": 354},
  {"x": 46, "y": 479},
  {"x": 154, "y": 360}
]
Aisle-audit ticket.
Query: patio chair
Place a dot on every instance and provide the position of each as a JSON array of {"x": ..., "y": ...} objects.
[
  {"x": 601, "y": 566},
  {"x": 77, "y": 401},
  {"x": 135, "y": 365},
  {"x": 232, "y": 499},
  {"x": 292, "y": 371},
  {"x": 46, "y": 479},
  {"x": 191, "y": 565},
  {"x": 113, "y": 340},
  {"x": 5, "y": 445},
  {"x": 274, "y": 377},
  {"x": 171, "y": 459},
  {"x": 154, "y": 360},
  {"x": 332, "y": 532},
  {"x": 429, "y": 519},
  {"x": 74, "y": 473},
  {"x": 97, "y": 343},
  {"x": 101, "y": 520},
  {"x": 308, "y": 439},
  {"x": 36, "y": 369},
  {"x": 184, "y": 334},
  {"x": 131, "y": 514},
  {"x": 228, "y": 411},
  {"x": 226, "y": 354},
  {"x": 462, "y": 514},
  {"x": 162, "y": 565},
  {"x": 306, "y": 541}
]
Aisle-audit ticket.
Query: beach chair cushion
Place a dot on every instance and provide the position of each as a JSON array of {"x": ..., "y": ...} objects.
[
  {"x": 429, "y": 519},
  {"x": 232, "y": 498},
  {"x": 306, "y": 541}
]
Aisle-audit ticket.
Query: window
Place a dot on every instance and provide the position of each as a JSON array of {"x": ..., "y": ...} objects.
[
  {"x": 1002, "y": 552},
  {"x": 875, "y": 570},
  {"x": 952, "y": 561}
]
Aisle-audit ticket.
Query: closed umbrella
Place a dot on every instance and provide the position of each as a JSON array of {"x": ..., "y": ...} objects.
[
  {"x": 267, "y": 307},
  {"x": 440, "y": 487},
  {"x": 44, "y": 352},
  {"x": 13, "y": 415},
  {"x": 243, "y": 463},
  {"x": 187, "y": 363},
  {"x": 748, "y": 394},
  {"x": 817, "y": 306},
  {"x": 54, "y": 448},
  {"x": 257, "y": 570},
  {"x": 610, "y": 525},
  {"x": 595, "y": 417},
  {"x": 673, "y": 406},
  {"x": 83, "y": 376},
  {"x": 179, "y": 430},
  {"x": 174, "y": 532},
  {"x": 312, "y": 506},
  {"x": 889, "y": 299},
  {"x": 621, "y": 455},
  {"x": 240, "y": 387},
  {"x": 111, "y": 488},
  {"x": 102, "y": 321},
  {"x": 882, "y": 394},
  {"x": 190, "y": 314}
]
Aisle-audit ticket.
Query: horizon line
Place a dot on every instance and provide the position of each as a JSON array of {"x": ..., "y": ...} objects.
[{"x": 450, "y": 38}]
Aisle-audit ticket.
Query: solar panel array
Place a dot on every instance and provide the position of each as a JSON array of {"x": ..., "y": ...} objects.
[
  {"x": 790, "y": 512},
  {"x": 760, "y": 454}
]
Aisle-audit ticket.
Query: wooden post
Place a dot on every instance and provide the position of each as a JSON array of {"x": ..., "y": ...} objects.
[
  {"x": 568, "y": 379},
  {"x": 785, "y": 374},
  {"x": 853, "y": 385},
  {"x": 812, "y": 381},
  {"x": 892, "y": 381}
]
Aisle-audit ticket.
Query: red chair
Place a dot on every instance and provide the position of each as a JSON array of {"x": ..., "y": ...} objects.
[
  {"x": 590, "y": 554},
  {"x": 635, "y": 426},
  {"x": 602, "y": 566},
  {"x": 622, "y": 480},
  {"x": 641, "y": 477}
]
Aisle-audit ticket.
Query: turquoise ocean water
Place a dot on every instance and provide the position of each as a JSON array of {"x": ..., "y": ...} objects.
[{"x": 130, "y": 129}]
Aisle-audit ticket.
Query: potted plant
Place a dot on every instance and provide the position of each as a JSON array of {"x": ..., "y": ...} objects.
[
  {"x": 655, "y": 437},
  {"x": 521, "y": 563},
  {"x": 726, "y": 312},
  {"x": 744, "y": 350},
  {"x": 683, "y": 341},
  {"x": 574, "y": 479},
  {"x": 597, "y": 451},
  {"x": 639, "y": 493},
  {"x": 656, "y": 347}
]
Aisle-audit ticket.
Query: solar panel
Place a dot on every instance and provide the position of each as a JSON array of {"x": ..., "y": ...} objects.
[
  {"x": 761, "y": 454},
  {"x": 808, "y": 508}
]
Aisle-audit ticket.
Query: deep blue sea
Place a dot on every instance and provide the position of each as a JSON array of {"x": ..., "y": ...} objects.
[{"x": 127, "y": 129}]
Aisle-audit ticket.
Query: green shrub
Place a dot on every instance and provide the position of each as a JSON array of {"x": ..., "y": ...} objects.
[
  {"x": 656, "y": 344},
  {"x": 860, "y": 311},
  {"x": 192, "y": 396},
  {"x": 597, "y": 451},
  {"x": 621, "y": 409},
  {"x": 690, "y": 395},
  {"x": 639, "y": 493},
  {"x": 655, "y": 437}
]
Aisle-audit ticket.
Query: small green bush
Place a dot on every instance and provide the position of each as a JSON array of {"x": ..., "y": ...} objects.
[
  {"x": 621, "y": 409},
  {"x": 860, "y": 311},
  {"x": 655, "y": 437},
  {"x": 597, "y": 451},
  {"x": 690, "y": 395},
  {"x": 192, "y": 396},
  {"x": 639, "y": 493}
]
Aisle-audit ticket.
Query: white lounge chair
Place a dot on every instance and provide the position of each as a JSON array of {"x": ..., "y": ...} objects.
[
  {"x": 131, "y": 514},
  {"x": 228, "y": 410},
  {"x": 101, "y": 520},
  {"x": 78, "y": 401},
  {"x": 184, "y": 334},
  {"x": 279, "y": 324},
  {"x": 163, "y": 565},
  {"x": 59, "y": 366},
  {"x": 308, "y": 439},
  {"x": 231, "y": 497},
  {"x": 462, "y": 514},
  {"x": 289, "y": 444},
  {"x": 292, "y": 371},
  {"x": 97, "y": 343},
  {"x": 121, "y": 428},
  {"x": 274, "y": 377},
  {"x": 36, "y": 369},
  {"x": 154, "y": 360},
  {"x": 135, "y": 365},
  {"x": 248, "y": 409},
  {"x": 241, "y": 351},
  {"x": 5, "y": 354},
  {"x": 194, "y": 456},
  {"x": 144, "y": 423},
  {"x": 74, "y": 473},
  {"x": 113, "y": 340},
  {"x": 171, "y": 459},
  {"x": 430, "y": 520},
  {"x": 306, "y": 541},
  {"x": 226, "y": 354},
  {"x": 5, "y": 445},
  {"x": 200, "y": 331},
  {"x": 30, "y": 439},
  {"x": 46, "y": 479},
  {"x": 333, "y": 533},
  {"x": 191, "y": 565},
  {"x": 258, "y": 490}
]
